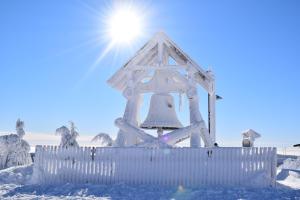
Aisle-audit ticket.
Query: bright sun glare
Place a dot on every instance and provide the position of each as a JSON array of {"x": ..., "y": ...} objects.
[{"x": 124, "y": 25}]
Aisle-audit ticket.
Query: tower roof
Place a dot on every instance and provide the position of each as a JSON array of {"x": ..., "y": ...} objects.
[{"x": 155, "y": 55}]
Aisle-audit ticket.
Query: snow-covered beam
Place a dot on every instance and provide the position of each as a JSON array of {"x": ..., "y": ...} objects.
[
  {"x": 165, "y": 81},
  {"x": 133, "y": 131},
  {"x": 156, "y": 67}
]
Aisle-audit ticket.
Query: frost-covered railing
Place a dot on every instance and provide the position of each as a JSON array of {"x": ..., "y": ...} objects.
[{"x": 178, "y": 166}]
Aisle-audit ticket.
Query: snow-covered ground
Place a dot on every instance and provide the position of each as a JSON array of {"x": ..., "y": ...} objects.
[
  {"x": 289, "y": 173},
  {"x": 15, "y": 183}
]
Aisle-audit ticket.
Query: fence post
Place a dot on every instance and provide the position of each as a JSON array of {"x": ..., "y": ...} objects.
[{"x": 274, "y": 165}]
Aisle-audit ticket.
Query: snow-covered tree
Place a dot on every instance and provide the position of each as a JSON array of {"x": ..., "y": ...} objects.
[
  {"x": 68, "y": 136},
  {"x": 104, "y": 139},
  {"x": 13, "y": 149}
]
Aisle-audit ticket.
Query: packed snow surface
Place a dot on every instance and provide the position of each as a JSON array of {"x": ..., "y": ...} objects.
[
  {"x": 289, "y": 173},
  {"x": 15, "y": 183},
  {"x": 291, "y": 163}
]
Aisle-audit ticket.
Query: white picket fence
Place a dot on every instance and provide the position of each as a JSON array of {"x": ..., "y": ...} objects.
[{"x": 189, "y": 167}]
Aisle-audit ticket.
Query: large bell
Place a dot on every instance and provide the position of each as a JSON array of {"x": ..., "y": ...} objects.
[{"x": 162, "y": 113}]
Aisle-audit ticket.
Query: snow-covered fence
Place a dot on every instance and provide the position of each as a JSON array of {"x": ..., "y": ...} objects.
[
  {"x": 178, "y": 166},
  {"x": 289, "y": 151}
]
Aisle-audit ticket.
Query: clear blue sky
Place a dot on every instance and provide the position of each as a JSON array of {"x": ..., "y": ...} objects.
[{"x": 253, "y": 47}]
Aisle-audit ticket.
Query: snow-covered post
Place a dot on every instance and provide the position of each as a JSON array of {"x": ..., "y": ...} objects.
[
  {"x": 37, "y": 174},
  {"x": 130, "y": 115},
  {"x": 195, "y": 116},
  {"x": 212, "y": 109}
]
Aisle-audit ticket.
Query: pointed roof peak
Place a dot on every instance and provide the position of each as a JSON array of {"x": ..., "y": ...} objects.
[
  {"x": 160, "y": 35},
  {"x": 152, "y": 54}
]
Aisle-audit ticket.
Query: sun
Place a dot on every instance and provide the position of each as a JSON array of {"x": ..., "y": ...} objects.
[
  {"x": 124, "y": 25},
  {"x": 120, "y": 25}
]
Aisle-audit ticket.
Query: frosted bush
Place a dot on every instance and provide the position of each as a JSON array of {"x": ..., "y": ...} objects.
[
  {"x": 68, "y": 136},
  {"x": 13, "y": 149},
  {"x": 104, "y": 139}
]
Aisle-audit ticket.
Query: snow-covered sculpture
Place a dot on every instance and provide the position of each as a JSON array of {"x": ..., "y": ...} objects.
[
  {"x": 104, "y": 139},
  {"x": 249, "y": 137},
  {"x": 152, "y": 70},
  {"x": 13, "y": 149},
  {"x": 68, "y": 136}
]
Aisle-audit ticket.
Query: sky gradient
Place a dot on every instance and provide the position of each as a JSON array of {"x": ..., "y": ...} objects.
[{"x": 253, "y": 47}]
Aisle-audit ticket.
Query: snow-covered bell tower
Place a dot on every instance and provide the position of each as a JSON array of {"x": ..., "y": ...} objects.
[{"x": 150, "y": 71}]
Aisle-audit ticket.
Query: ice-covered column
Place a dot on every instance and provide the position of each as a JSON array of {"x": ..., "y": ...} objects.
[
  {"x": 130, "y": 116},
  {"x": 196, "y": 118}
]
